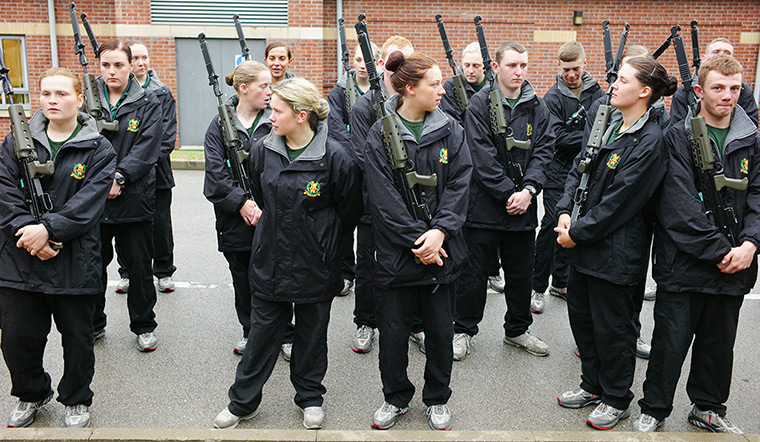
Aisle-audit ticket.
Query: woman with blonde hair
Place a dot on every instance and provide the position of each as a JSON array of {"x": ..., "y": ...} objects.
[{"x": 308, "y": 188}]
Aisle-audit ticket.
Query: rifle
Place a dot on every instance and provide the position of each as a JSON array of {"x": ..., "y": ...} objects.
[
  {"x": 697, "y": 61},
  {"x": 577, "y": 120},
  {"x": 91, "y": 94},
  {"x": 352, "y": 91},
  {"x": 499, "y": 129},
  {"x": 36, "y": 198},
  {"x": 708, "y": 171},
  {"x": 405, "y": 178},
  {"x": 90, "y": 34},
  {"x": 241, "y": 38},
  {"x": 236, "y": 155},
  {"x": 601, "y": 121},
  {"x": 609, "y": 62},
  {"x": 666, "y": 44},
  {"x": 460, "y": 93}
]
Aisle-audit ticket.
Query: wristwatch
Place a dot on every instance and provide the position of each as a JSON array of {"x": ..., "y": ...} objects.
[
  {"x": 119, "y": 178},
  {"x": 532, "y": 190}
]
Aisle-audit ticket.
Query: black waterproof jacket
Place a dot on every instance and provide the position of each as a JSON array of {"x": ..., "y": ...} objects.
[
  {"x": 449, "y": 103},
  {"x": 137, "y": 143},
  {"x": 442, "y": 150},
  {"x": 164, "y": 176},
  {"x": 232, "y": 233},
  {"x": 338, "y": 130},
  {"x": 687, "y": 245},
  {"x": 307, "y": 207},
  {"x": 679, "y": 109},
  {"x": 84, "y": 168},
  {"x": 562, "y": 104},
  {"x": 611, "y": 231},
  {"x": 491, "y": 188}
]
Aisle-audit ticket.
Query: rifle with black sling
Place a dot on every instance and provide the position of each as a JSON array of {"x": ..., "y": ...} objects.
[
  {"x": 666, "y": 44},
  {"x": 352, "y": 90},
  {"x": 90, "y": 34},
  {"x": 503, "y": 142},
  {"x": 36, "y": 198},
  {"x": 696, "y": 59},
  {"x": 405, "y": 179},
  {"x": 233, "y": 146},
  {"x": 601, "y": 121},
  {"x": 90, "y": 88},
  {"x": 709, "y": 172},
  {"x": 460, "y": 92},
  {"x": 241, "y": 38}
]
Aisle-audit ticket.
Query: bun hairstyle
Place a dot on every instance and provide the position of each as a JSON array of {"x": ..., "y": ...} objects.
[
  {"x": 302, "y": 95},
  {"x": 408, "y": 70},
  {"x": 650, "y": 72},
  {"x": 245, "y": 73}
]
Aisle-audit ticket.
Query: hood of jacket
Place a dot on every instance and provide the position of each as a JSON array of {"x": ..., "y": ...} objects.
[
  {"x": 314, "y": 151},
  {"x": 433, "y": 120},
  {"x": 134, "y": 93},
  {"x": 233, "y": 102},
  {"x": 617, "y": 116},
  {"x": 588, "y": 83},
  {"x": 741, "y": 125},
  {"x": 38, "y": 125}
]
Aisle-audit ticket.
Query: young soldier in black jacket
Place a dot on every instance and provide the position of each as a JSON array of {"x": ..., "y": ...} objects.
[
  {"x": 37, "y": 281},
  {"x": 567, "y": 101},
  {"x": 309, "y": 191},
  {"x": 278, "y": 57},
  {"x": 131, "y": 204},
  {"x": 701, "y": 277},
  {"x": 234, "y": 211},
  {"x": 609, "y": 242},
  {"x": 472, "y": 70},
  {"x": 163, "y": 239},
  {"x": 417, "y": 262},
  {"x": 501, "y": 213},
  {"x": 719, "y": 46}
]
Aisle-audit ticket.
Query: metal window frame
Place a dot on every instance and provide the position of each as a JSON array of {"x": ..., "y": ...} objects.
[
  {"x": 266, "y": 13},
  {"x": 25, "y": 67}
]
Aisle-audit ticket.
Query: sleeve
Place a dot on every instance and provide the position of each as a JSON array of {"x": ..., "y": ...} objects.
[
  {"x": 751, "y": 228},
  {"x": 678, "y": 106},
  {"x": 449, "y": 102},
  {"x": 361, "y": 120},
  {"x": 566, "y": 202},
  {"x": 633, "y": 184},
  {"x": 336, "y": 126},
  {"x": 451, "y": 212},
  {"x": 680, "y": 210},
  {"x": 390, "y": 216},
  {"x": 487, "y": 171},
  {"x": 566, "y": 140},
  {"x": 83, "y": 209},
  {"x": 169, "y": 117},
  {"x": 747, "y": 101},
  {"x": 218, "y": 186},
  {"x": 542, "y": 147},
  {"x": 347, "y": 190},
  {"x": 14, "y": 212},
  {"x": 143, "y": 155}
]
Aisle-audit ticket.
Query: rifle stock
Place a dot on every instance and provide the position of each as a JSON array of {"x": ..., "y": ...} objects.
[{"x": 90, "y": 34}]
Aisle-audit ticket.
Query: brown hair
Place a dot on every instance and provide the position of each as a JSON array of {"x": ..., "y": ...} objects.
[
  {"x": 408, "y": 70},
  {"x": 113, "y": 44},
  {"x": 725, "y": 64},
  {"x": 63, "y": 72},
  {"x": 506, "y": 46},
  {"x": 245, "y": 73},
  {"x": 571, "y": 51},
  {"x": 636, "y": 51},
  {"x": 650, "y": 72},
  {"x": 397, "y": 40},
  {"x": 277, "y": 44},
  {"x": 131, "y": 43}
]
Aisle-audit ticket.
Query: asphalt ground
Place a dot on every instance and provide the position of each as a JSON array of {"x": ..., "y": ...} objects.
[{"x": 184, "y": 383}]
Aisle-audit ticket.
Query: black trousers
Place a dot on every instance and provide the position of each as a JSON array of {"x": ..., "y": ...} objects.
[
  {"x": 706, "y": 323},
  {"x": 348, "y": 267},
  {"x": 601, "y": 318},
  {"x": 551, "y": 259},
  {"x": 135, "y": 244},
  {"x": 308, "y": 361},
  {"x": 516, "y": 250},
  {"x": 364, "y": 301},
  {"x": 163, "y": 239},
  {"x": 238, "y": 264},
  {"x": 26, "y": 325},
  {"x": 395, "y": 309}
]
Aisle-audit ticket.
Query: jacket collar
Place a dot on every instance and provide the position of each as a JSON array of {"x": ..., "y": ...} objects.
[
  {"x": 433, "y": 120},
  {"x": 527, "y": 93},
  {"x": 741, "y": 126},
  {"x": 155, "y": 82},
  {"x": 134, "y": 93},
  {"x": 38, "y": 125},
  {"x": 233, "y": 101},
  {"x": 314, "y": 151},
  {"x": 617, "y": 116},
  {"x": 588, "y": 83}
]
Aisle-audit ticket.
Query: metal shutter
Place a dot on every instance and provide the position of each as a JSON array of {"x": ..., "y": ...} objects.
[{"x": 220, "y": 12}]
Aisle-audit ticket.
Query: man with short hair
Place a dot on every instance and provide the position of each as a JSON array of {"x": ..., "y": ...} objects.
[
  {"x": 719, "y": 46},
  {"x": 701, "y": 276},
  {"x": 471, "y": 69},
  {"x": 567, "y": 101}
]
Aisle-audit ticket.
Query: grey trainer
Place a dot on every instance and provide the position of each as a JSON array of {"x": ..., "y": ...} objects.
[
  {"x": 642, "y": 349},
  {"x": 313, "y": 417},
  {"x": 147, "y": 342},
  {"x": 387, "y": 415},
  {"x": 286, "y": 349},
  {"x": 537, "y": 302},
  {"x": 240, "y": 346},
  {"x": 439, "y": 417},
  {"x": 646, "y": 424},
  {"x": 605, "y": 417},
  {"x": 496, "y": 283},
  {"x": 122, "y": 286},
  {"x": 77, "y": 416},
  {"x": 461, "y": 345},
  {"x": 712, "y": 421},
  {"x": 348, "y": 287},
  {"x": 528, "y": 342},
  {"x": 225, "y": 418},
  {"x": 578, "y": 398},
  {"x": 419, "y": 339},
  {"x": 559, "y": 292},
  {"x": 166, "y": 284},
  {"x": 24, "y": 413},
  {"x": 362, "y": 342}
]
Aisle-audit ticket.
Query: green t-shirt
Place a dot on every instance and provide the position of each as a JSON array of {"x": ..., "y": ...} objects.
[
  {"x": 255, "y": 123},
  {"x": 615, "y": 134},
  {"x": 513, "y": 101},
  {"x": 415, "y": 127},
  {"x": 295, "y": 153},
  {"x": 147, "y": 81},
  {"x": 718, "y": 135},
  {"x": 55, "y": 146},
  {"x": 115, "y": 107},
  {"x": 478, "y": 87}
]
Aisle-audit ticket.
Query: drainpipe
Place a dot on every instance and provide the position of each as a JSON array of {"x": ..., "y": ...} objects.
[
  {"x": 757, "y": 77},
  {"x": 53, "y": 35},
  {"x": 339, "y": 9}
]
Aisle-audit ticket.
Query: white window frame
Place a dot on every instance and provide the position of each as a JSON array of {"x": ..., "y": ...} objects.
[{"x": 17, "y": 90}]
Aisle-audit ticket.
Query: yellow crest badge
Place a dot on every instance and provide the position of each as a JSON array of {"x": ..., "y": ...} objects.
[
  {"x": 744, "y": 166},
  {"x": 133, "y": 125},
  {"x": 312, "y": 189},
  {"x": 443, "y": 156},
  {"x": 613, "y": 161},
  {"x": 78, "y": 171},
  {"x": 529, "y": 130}
]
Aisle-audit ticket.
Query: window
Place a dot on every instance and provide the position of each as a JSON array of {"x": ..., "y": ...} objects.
[{"x": 14, "y": 56}]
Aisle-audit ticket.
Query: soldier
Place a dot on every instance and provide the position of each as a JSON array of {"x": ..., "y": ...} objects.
[
  {"x": 471, "y": 68},
  {"x": 501, "y": 213},
  {"x": 278, "y": 57},
  {"x": 701, "y": 276}
]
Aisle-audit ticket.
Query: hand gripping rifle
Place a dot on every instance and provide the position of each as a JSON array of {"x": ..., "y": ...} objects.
[
  {"x": 405, "y": 179},
  {"x": 241, "y": 38},
  {"x": 91, "y": 95},
  {"x": 36, "y": 198},
  {"x": 352, "y": 91},
  {"x": 460, "y": 93},
  {"x": 236, "y": 155},
  {"x": 708, "y": 171},
  {"x": 600, "y": 123},
  {"x": 502, "y": 140},
  {"x": 90, "y": 34}
]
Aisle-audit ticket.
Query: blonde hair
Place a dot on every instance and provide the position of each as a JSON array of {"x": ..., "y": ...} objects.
[
  {"x": 302, "y": 95},
  {"x": 472, "y": 48},
  {"x": 376, "y": 53},
  {"x": 636, "y": 51},
  {"x": 571, "y": 51},
  {"x": 76, "y": 83},
  {"x": 398, "y": 41},
  {"x": 724, "y": 64},
  {"x": 245, "y": 73}
]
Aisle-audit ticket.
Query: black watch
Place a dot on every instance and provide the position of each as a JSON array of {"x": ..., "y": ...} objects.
[
  {"x": 532, "y": 190},
  {"x": 119, "y": 178}
]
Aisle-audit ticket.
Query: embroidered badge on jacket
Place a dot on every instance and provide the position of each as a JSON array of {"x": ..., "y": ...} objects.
[
  {"x": 443, "y": 156},
  {"x": 612, "y": 163},
  {"x": 312, "y": 189},
  {"x": 133, "y": 125},
  {"x": 745, "y": 166},
  {"x": 78, "y": 171}
]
